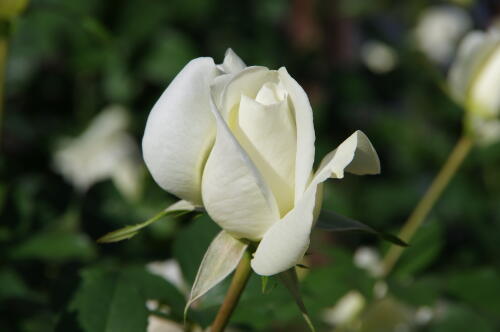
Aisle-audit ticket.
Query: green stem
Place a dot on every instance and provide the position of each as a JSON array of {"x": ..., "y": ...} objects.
[
  {"x": 421, "y": 211},
  {"x": 238, "y": 283},
  {"x": 3, "y": 62}
]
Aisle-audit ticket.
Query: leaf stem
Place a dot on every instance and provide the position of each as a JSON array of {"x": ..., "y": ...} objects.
[
  {"x": 238, "y": 283},
  {"x": 421, "y": 211}
]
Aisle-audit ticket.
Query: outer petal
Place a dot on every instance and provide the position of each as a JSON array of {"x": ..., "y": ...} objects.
[
  {"x": 231, "y": 66},
  {"x": 234, "y": 192},
  {"x": 355, "y": 155},
  {"x": 285, "y": 243},
  {"x": 180, "y": 130},
  {"x": 232, "y": 63},
  {"x": 305, "y": 132}
]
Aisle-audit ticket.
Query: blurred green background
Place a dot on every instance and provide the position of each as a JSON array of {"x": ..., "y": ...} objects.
[{"x": 69, "y": 60}]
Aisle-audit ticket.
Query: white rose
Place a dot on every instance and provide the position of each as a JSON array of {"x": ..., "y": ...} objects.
[
  {"x": 475, "y": 83},
  {"x": 240, "y": 141}
]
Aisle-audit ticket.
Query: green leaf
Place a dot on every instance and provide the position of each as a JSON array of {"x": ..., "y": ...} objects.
[
  {"x": 461, "y": 319},
  {"x": 56, "y": 246},
  {"x": 170, "y": 45},
  {"x": 3, "y": 196},
  {"x": 424, "y": 249},
  {"x": 264, "y": 312},
  {"x": 12, "y": 285},
  {"x": 115, "y": 300},
  {"x": 109, "y": 301},
  {"x": 289, "y": 279},
  {"x": 420, "y": 292},
  {"x": 327, "y": 284},
  {"x": 191, "y": 243},
  {"x": 127, "y": 232},
  {"x": 334, "y": 222},
  {"x": 479, "y": 287},
  {"x": 154, "y": 287}
]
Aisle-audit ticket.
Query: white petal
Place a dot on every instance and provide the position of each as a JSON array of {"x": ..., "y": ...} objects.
[
  {"x": 268, "y": 135},
  {"x": 234, "y": 192},
  {"x": 355, "y": 155},
  {"x": 180, "y": 130},
  {"x": 287, "y": 241},
  {"x": 305, "y": 132},
  {"x": 271, "y": 93},
  {"x": 232, "y": 63},
  {"x": 219, "y": 85},
  {"x": 248, "y": 82},
  {"x": 220, "y": 259}
]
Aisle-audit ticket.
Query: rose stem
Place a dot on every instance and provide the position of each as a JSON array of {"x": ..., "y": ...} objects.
[
  {"x": 420, "y": 212},
  {"x": 238, "y": 283}
]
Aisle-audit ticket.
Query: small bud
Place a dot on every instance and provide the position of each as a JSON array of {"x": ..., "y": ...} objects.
[{"x": 475, "y": 83}]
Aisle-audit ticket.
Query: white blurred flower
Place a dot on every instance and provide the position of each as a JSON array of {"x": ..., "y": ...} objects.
[
  {"x": 378, "y": 57},
  {"x": 424, "y": 315},
  {"x": 104, "y": 150},
  {"x": 474, "y": 82},
  {"x": 439, "y": 29},
  {"x": 171, "y": 271},
  {"x": 157, "y": 324},
  {"x": 368, "y": 259},
  {"x": 346, "y": 310}
]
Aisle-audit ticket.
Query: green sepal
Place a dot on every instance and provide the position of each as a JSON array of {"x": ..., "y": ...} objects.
[
  {"x": 334, "y": 222},
  {"x": 264, "y": 283},
  {"x": 291, "y": 282},
  {"x": 130, "y": 231}
]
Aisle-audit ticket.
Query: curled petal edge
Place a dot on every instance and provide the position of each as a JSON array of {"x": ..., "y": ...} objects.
[{"x": 286, "y": 242}]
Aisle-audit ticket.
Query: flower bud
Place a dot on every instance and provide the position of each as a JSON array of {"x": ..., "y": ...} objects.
[{"x": 475, "y": 83}]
